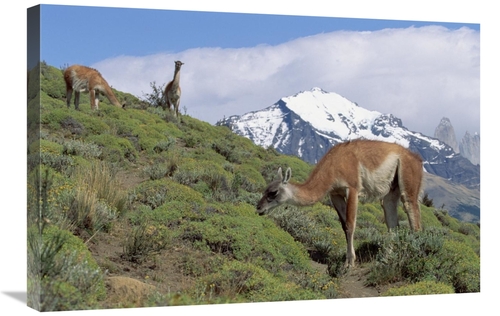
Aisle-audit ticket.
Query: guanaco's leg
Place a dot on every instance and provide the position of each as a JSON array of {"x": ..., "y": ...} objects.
[
  {"x": 410, "y": 190},
  {"x": 97, "y": 99},
  {"x": 92, "y": 96},
  {"x": 339, "y": 204},
  {"x": 390, "y": 206},
  {"x": 346, "y": 209},
  {"x": 351, "y": 210},
  {"x": 69, "y": 92},
  {"x": 77, "y": 99}
]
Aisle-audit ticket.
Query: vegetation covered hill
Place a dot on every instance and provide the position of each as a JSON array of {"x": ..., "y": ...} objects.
[{"x": 133, "y": 207}]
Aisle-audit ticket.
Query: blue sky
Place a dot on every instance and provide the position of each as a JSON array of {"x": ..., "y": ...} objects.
[
  {"x": 408, "y": 68},
  {"x": 140, "y": 32}
]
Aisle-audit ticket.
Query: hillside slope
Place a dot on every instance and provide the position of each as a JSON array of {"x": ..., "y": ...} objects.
[{"x": 166, "y": 209}]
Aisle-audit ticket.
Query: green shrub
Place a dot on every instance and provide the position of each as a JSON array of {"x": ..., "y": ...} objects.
[
  {"x": 114, "y": 149},
  {"x": 156, "y": 192},
  {"x": 47, "y": 146},
  {"x": 368, "y": 220},
  {"x": 420, "y": 288},
  {"x": 469, "y": 229},
  {"x": 250, "y": 179},
  {"x": 164, "y": 165},
  {"x": 238, "y": 233},
  {"x": 90, "y": 120},
  {"x": 428, "y": 217},
  {"x": 145, "y": 241},
  {"x": 164, "y": 145},
  {"x": 171, "y": 214},
  {"x": 208, "y": 178},
  {"x": 245, "y": 282},
  {"x": 228, "y": 150},
  {"x": 156, "y": 98},
  {"x": 156, "y": 171},
  {"x": 76, "y": 147},
  {"x": 426, "y": 255},
  {"x": 297, "y": 223},
  {"x": 63, "y": 274},
  {"x": 446, "y": 220},
  {"x": 192, "y": 140},
  {"x": 317, "y": 228},
  {"x": 407, "y": 255},
  {"x": 61, "y": 163},
  {"x": 467, "y": 240},
  {"x": 51, "y": 81},
  {"x": 197, "y": 264},
  {"x": 460, "y": 267}
]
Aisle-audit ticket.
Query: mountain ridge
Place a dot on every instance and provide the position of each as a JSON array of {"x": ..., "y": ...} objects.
[{"x": 308, "y": 123}]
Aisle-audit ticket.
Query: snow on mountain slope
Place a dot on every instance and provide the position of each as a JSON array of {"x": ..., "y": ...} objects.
[{"x": 331, "y": 113}]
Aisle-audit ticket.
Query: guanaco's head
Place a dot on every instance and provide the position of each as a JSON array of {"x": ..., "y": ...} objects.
[
  {"x": 178, "y": 64},
  {"x": 276, "y": 193}
]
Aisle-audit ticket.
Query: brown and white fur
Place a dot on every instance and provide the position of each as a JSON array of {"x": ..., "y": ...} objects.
[
  {"x": 173, "y": 90},
  {"x": 88, "y": 80},
  {"x": 371, "y": 170}
]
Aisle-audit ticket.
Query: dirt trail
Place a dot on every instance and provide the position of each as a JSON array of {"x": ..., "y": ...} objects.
[{"x": 353, "y": 284}]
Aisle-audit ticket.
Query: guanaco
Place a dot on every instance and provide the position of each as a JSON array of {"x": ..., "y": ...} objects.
[
  {"x": 367, "y": 169},
  {"x": 88, "y": 80}
]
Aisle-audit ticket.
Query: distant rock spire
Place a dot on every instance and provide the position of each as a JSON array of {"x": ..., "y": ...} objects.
[
  {"x": 470, "y": 147},
  {"x": 445, "y": 133}
]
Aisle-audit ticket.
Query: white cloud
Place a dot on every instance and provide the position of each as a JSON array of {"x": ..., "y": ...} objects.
[{"x": 417, "y": 74}]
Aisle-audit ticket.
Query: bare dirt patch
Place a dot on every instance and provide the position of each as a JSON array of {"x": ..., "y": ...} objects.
[
  {"x": 128, "y": 283},
  {"x": 124, "y": 289},
  {"x": 354, "y": 284}
]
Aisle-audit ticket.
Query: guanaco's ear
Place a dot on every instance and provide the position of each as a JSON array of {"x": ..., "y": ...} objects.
[
  {"x": 280, "y": 174},
  {"x": 288, "y": 175}
]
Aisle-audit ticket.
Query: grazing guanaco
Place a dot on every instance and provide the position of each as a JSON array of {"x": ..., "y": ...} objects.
[
  {"x": 88, "y": 80},
  {"x": 367, "y": 169}
]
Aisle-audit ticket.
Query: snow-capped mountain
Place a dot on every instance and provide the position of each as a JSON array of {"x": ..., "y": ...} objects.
[{"x": 309, "y": 123}]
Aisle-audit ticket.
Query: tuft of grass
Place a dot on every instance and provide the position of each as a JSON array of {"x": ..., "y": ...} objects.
[
  {"x": 145, "y": 241},
  {"x": 98, "y": 199}
]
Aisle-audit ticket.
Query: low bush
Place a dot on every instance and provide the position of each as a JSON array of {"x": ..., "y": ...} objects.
[
  {"x": 244, "y": 282},
  {"x": 145, "y": 241},
  {"x": 459, "y": 266},
  {"x": 240, "y": 234},
  {"x": 426, "y": 255},
  {"x": 406, "y": 255},
  {"x": 420, "y": 288},
  {"x": 62, "y": 273},
  {"x": 76, "y": 147},
  {"x": 156, "y": 192},
  {"x": 114, "y": 149}
]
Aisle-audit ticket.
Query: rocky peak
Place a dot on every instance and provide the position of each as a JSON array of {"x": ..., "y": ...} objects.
[
  {"x": 445, "y": 133},
  {"x": 470, "y": 147}
]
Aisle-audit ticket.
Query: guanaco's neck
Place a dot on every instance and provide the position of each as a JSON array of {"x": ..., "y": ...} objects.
[
  {"x": 177, "y": 77},
  {"x": 111, "y": 96},
  {"x": 307, "y": 193}
]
